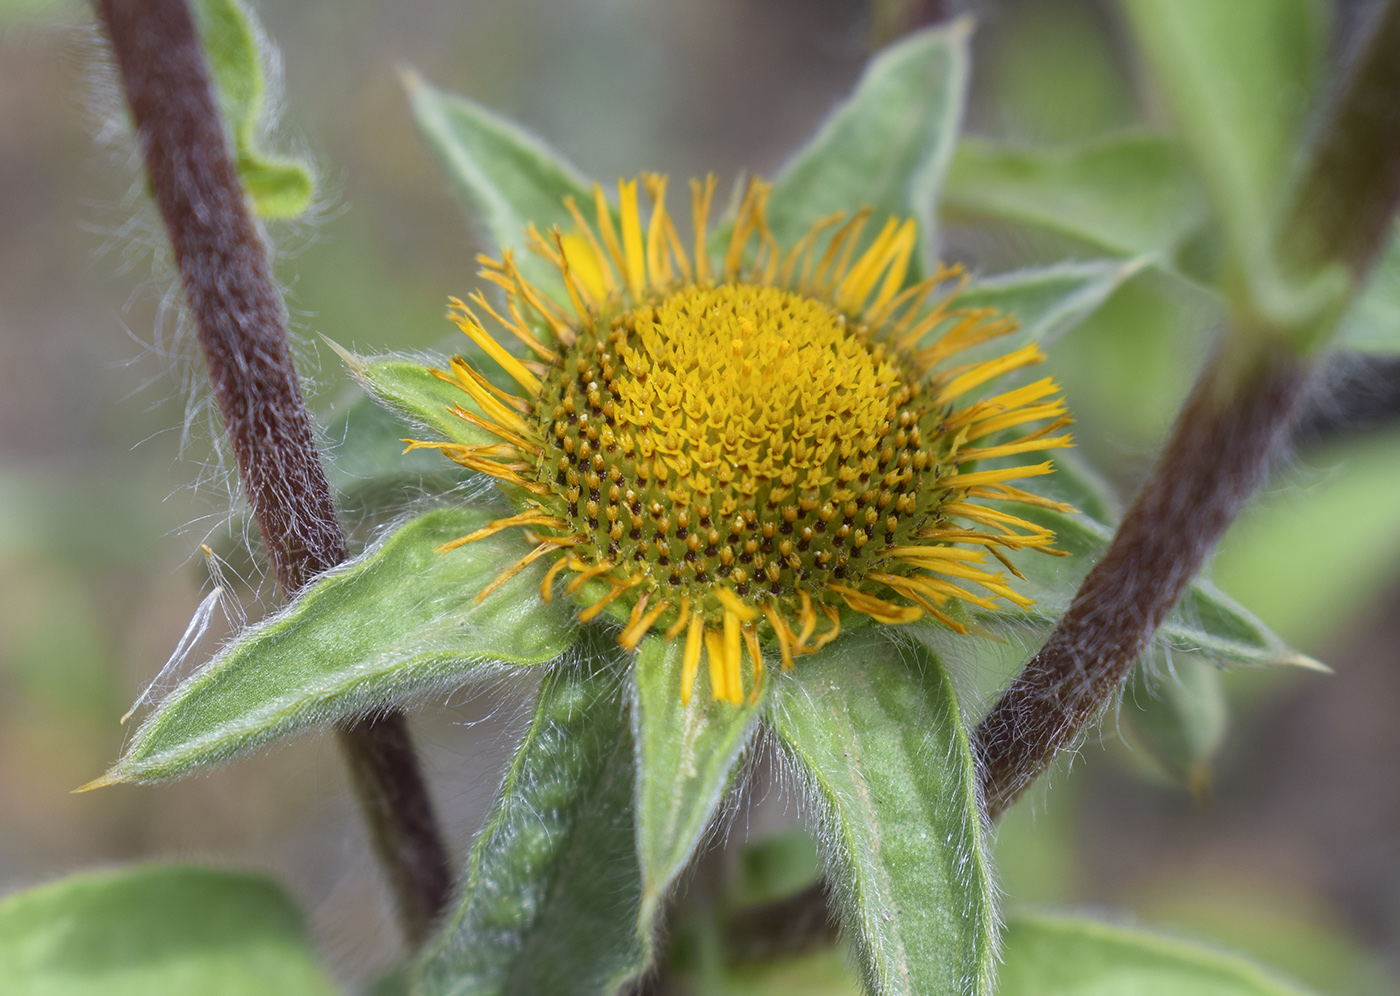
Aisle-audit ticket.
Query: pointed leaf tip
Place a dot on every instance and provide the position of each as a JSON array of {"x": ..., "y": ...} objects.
[
  {"x": 111, "y": 778},
  {"x": 887, "y": 145},
  {"x": 399, "y": 619},
  {"x": 356, "y": 364}
]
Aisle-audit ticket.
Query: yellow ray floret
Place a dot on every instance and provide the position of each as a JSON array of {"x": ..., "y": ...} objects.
[{"x": 733, "y": 451}]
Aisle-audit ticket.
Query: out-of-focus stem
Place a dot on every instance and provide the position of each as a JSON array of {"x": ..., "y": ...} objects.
[
  {"x": 239, "y": 321},
  {"x": 1344, "y": 208}
]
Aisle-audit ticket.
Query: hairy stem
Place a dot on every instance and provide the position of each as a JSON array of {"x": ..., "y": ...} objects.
[
  {"x": 1218, "y": 453},
  {"x": 239, "y": 321},
  {"x": 1358, "y": 392}
]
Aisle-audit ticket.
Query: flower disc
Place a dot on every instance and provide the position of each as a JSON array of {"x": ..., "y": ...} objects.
[
  {"x": 737, "y": 432},
  {"x": 735, "y": 455}
]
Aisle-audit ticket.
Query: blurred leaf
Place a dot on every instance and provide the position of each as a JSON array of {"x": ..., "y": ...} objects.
[
  {"x": 551, "y": 891},
  {"x": 158, "y": 930},
  {"x": 1037, "y": 850},
  {"x": 1128, "y": 366},
  {"x": 1128, "y": 194},
  {"x": 1276, "y": 922},
  {"x": 396, "y": 620},
  {"x": 774, "y": 867},
  {"x": 1373, "y": 323},
  {"x": 368, "y": 468},
  {"x": 873, "y": 729},
  {"x": 686, "y": 755},
  {"x": 888, "y": 146},
  {"x": 828, "y": 973},
  {"x": 1053, "y": 71},
  {"x": 1240, "y": 78},
  {"x": 508, "y": 177},
  {"x": 1179, "y": 713},
  {"x": 279, "y": 187},
  {"x": 28, "y": 13},
  {"x": 1062, "y": 956}
]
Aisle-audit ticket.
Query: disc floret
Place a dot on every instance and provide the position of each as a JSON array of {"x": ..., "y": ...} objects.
[{"x": 736, "y": 457}]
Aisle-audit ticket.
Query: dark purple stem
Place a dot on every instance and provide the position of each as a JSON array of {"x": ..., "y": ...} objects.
[
  {"x": 1219, "y": 451},
  {"x": 239, "y": 321}
]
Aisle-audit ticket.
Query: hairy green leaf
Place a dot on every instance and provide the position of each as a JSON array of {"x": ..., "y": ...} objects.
[
  {"x": 1128, "y": 194},
  {"x": 407, "y": 387},
  {"x": 1064, "y": 956},
  {"x": 507, "y": 176},
  {"x": 280, "y": 187},
  {"x": 399, "y": 619},
  {"x": 686, "y": 754},
  {"x": 872, "y": 727},
  {"x": 157, "y": 930},
  {"x": 1240, "y": 78},
  {"x": 551, "y": 891},
  {"x": 888, "y": 146}
]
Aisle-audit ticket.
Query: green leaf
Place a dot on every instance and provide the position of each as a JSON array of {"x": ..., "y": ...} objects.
[
  {"x": 551, "y": 892},
  {"x": 888, "y": 146},
  {"x": 1128, "y": 194},
  {"x": 1240, "y": 78},
  {"x": 1063, "y": 956},
  {"x": 279, "y": 187},
  {"x": 400, "y": 619},
  {"x": 158, "y": 930},
  {"x": 686, "y": 755},
  {"x": 873, "y": 729},
  {"x": 407, "y": 387},
  {"x": 507, "y": 176},
  {"x": 1178, "y": 712}
]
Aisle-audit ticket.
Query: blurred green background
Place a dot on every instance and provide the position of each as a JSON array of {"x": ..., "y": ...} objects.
[{"x": 108, "y": 481}]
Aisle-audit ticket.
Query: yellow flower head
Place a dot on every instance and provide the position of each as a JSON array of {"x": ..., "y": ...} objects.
[{"x": 735, "y": 450}]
